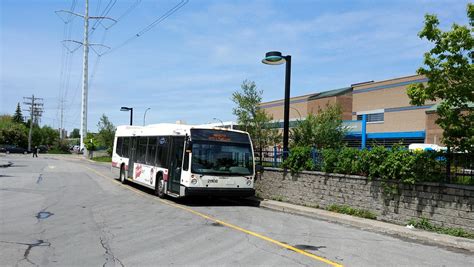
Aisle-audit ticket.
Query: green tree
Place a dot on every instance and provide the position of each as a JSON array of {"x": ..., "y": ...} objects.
[
  {"x": 247, "y": 104},
  {"x": 91, "y": 142},
  {"x": 18, "y": 116},
  {"x": 106, "y": 133},
  {"x": 75, "y": 133},
  {"x": 323, "y": 130},
  {"x": 12, "y": 133},
  {"x": 252, "y": 119},
  {"x": 44, "y": 136},
  {"x": 50, "y": 135},
  {"x": 450, "y": 72}
]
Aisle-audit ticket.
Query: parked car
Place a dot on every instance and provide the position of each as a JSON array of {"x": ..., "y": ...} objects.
[
  {"x": 76, "y": 149},
  {"x": 43, "y": 149},
  {"x": 13, "y": 149},
  {"x": 426, "y": 147}
]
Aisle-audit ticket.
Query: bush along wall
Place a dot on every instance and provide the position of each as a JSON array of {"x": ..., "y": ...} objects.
[
  {"x": 396, "y": 185},
  {"x": 391, "y": 166}
]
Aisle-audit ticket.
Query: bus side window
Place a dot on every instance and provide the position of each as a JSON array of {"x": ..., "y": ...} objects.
[
  {"x": 118, "y": 148},
  {"x": 125, "y": 147},
  {"x": 141, "y": 151},
  {"x": 151, "y": 151},
  {"x": 162, "y": 151}
]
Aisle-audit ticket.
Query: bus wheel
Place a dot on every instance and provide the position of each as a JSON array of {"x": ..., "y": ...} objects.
[
  {"x": 160, "y": 186},
  {"x": 122, "y": 175}
]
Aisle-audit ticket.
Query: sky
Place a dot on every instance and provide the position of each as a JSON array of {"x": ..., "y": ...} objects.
[{"x": 187, "y": 67}]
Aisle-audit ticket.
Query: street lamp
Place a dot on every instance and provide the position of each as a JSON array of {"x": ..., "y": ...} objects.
[
  {"x": 299, "y": 114},
  {"x": 131, "y": 113},
  {"x": 216, "y": 119},
  {"x": 276, "y": 58},
  {"x": 144, "y": 116}
]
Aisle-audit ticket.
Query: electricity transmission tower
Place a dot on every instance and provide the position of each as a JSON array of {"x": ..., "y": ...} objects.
[
  {"x": 85, "y": 43},
  {"x": 36, "y": 110}
]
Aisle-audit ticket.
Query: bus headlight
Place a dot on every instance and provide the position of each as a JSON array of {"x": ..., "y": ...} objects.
[
  {"x": 194, "y": 181},
  {"x": 249, "y": 182}
]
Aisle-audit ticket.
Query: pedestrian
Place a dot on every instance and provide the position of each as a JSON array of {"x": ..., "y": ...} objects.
[{"x": 35, "y": 151}]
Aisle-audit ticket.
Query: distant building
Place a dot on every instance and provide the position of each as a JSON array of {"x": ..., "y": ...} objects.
[
  {"x": 390, "y": 116},
  {"x": 62, "y": 133}
]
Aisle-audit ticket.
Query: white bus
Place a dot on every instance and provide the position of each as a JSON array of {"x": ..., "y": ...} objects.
[{"x": 182, "y": 160}]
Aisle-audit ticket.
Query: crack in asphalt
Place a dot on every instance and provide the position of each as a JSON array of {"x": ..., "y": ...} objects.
[
  {"x": 30, "y": 246},
  {"x": 40, "y": 178},
  {"x": 104, "y": 240},
  {"x": 109, "y": 255}
]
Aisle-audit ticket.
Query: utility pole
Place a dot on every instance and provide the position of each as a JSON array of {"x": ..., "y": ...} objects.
[
  {"x": 61, "y": 127},
  {"x": 85, "y": 77},
  {"x": 85, "y": 43},
  {"x": 36, "y": 110}
]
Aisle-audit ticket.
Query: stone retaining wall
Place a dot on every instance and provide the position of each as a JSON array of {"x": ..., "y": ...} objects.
[{"x": 443, "y": 204}]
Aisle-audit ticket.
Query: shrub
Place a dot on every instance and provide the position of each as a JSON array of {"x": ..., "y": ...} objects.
[
  {"x": 343, "y": 164},
  {"x": 397, "y": 164},
  {"x": 61, "y": 147},
  {"x": 299, "y": 159},
  {"x": 372, "y": 161},
  {"x": 344, "y": 209},
  {"x": 425, "y": 224},
  {"x": 330, "y": 158}
]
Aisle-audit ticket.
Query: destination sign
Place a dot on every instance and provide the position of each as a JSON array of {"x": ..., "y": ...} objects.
[{"x": 219, "y": 136}]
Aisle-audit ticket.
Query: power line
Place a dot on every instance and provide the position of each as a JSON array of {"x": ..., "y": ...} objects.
[
  {"x": 66, "y": 61},
  {"x": 151, "y": 25},
  {"x": 106, "y": 11},
  {"x": 86, "y": 45},
  {"x": 98, "y": 58},
  {"x": 130, "y": 9}
]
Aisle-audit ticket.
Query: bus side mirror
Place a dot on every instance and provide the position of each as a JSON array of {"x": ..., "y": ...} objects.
[{"x": 189, "y": 147}]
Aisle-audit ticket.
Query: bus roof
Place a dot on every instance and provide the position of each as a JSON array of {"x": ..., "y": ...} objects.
[{"x": 163, "y": 129}]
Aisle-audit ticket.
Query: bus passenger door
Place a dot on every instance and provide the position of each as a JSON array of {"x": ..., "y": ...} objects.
[
  {"x": 176, "y": 160},
  {"x": 132, "y": 156}
]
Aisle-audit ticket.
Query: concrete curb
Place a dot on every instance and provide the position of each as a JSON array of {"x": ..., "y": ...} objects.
[{"x": 373, "y": 225}]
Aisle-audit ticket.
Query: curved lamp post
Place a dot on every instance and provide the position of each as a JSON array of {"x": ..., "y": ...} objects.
[
  {"x": 144, "y": 116},
  {"x": 216, "y": 119},
  {"x": 297, "y": 111},
  {"x": 276, "y": 58},
  {"x": 131, "y": 113}
]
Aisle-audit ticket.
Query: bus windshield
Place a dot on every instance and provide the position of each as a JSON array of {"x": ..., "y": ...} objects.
[{"x": 221, "y": 158}]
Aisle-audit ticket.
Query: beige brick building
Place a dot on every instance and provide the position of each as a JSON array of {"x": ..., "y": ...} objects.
[{"x": 390, "y": 116}]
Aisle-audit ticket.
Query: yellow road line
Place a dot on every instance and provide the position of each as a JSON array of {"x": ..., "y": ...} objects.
[{"x": 229, "y": 225}]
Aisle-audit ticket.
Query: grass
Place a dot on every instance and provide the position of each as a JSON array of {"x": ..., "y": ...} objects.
[
  {"x": 425, "y": 224},
  {"x": 278, "y": 198},
  {"x": 102, "y": 159},
  {"x": 344, "y": 209},
  {"x": 58, "y": 151}
]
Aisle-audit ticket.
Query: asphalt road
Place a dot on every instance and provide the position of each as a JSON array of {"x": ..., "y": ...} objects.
[{"x": 63, "y": 211}]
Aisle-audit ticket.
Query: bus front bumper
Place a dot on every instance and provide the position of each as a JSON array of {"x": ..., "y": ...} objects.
[{"x": 222, "y": 192}]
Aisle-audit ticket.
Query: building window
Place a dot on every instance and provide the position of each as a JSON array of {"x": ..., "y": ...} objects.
[{"x": 375, "y": 117}]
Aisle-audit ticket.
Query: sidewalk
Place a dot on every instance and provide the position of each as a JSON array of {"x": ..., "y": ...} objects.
[{"x": 373, "y": 225}]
